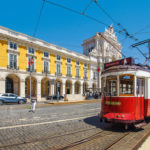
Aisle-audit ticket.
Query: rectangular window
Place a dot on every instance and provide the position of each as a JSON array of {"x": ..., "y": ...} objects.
[
  {"x": 77, "y": 72},
  {"x": 94, "y": 75},
  {"x": 31, "y": 67},
  {"x": 68, "y": 70},
  {"x": 140, "y": 90},
  {"x": 126, "y": 85},
  {"x": 46, "y": 54},
  {"x": 85, "y": 65},
  {"x": 68, "y": 60},
  {"x": 111, "y": 85},
  {"x": 13, "y": 61},
  {"x": 13, "y": 45},
  {"x": 31, "y": 50},
  {"x": 58, "y": 57},
  {"x": 46, "y": 66},
  {"x": 77, "y": 63},
  {"x": 85, "y": 73},
  {"x": 58, "y": 68}
]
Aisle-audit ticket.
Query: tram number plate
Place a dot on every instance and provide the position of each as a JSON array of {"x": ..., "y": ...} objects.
[{"x": 112, "y": 103}]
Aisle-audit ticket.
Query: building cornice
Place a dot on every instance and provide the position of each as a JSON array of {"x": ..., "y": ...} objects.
[{"x": 26, "y": 40}]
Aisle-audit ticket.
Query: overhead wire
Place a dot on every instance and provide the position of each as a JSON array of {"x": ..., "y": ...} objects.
[
  {"x": 87, "y": 6},
  {"x": 118, "y": 24},
  {"x": 80, "y": 13},
  {"x": 142, "y": 29},
  {"x": 38, "y": 21}
]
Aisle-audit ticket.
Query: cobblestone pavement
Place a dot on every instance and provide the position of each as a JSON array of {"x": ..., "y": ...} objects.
[{"x": 74, "y": 126}]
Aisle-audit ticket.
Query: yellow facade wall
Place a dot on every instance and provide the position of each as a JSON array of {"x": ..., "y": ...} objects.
[
  {"x": 63, "y": 66},
  {"x": 52, "y": 64},
  {"x": 88, "y": 72},
  {"x": 73, "y": 68},
  {"x": 22, "y": 57},
  {"x": 3, "y": 53},
  {"x": 39, "y": 61},
  {"x": 81, "y": 70}
]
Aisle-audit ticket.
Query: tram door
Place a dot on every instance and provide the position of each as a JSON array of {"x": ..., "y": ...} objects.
[{"x": 140, "y": 99}]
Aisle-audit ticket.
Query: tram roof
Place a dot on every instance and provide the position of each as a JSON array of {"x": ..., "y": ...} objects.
[{"x": 119, "y": 65}]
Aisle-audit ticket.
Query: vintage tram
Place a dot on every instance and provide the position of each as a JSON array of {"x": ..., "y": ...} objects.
[{"x": 126, "y": 93}]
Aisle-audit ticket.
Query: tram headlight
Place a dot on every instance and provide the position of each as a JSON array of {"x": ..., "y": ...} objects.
[
  {"x": 118, "y": 116},
  {"x": 122, "y": 116}
]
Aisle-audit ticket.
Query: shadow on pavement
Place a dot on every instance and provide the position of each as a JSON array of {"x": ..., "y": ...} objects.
[{"x": 95, "y": 121}]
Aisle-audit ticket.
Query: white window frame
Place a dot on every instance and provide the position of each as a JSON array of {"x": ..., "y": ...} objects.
[
  {"x": 28, "y": 61},
  {"x": 85, "y": 70},
  {"x": 44, "y": 56},
  {"x": 70, "y": 69},
  {"x": 9, "y": 59},
  {"x": 57, "y": 59},
  {"x": 76, "y": 72},
  {"x": 69, "y": 59},
  {"x": 13, "y": 43},
  {"x": 56, "y": 68},
  {"x": 48, "y": 65},
  {"x": 31, "y": 53}
]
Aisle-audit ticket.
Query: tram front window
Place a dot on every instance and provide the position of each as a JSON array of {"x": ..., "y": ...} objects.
[
  {"x": 111, "y": 86},
  {"x": 126, "y": 85}
]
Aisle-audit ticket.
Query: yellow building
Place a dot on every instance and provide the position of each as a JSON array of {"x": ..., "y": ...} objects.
[{"x": 55, "y": 70}]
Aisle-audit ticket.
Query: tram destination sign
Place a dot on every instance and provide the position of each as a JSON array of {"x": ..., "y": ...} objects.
[{"x": 126, "y": 61}]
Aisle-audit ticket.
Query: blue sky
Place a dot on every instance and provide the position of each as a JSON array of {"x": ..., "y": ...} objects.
[{"x": 67, "y": 29}]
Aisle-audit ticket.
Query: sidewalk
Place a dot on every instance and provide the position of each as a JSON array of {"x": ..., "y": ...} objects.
[
  {"x": 145, "y": 145},
  {"x": 60, "y": 102}
]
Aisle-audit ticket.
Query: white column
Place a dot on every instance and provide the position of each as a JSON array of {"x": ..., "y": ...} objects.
[
  {"x": 63, "y": 92},
  {"x": 73, "y": 88},
  {"x": 81, "y": 88},
  {"x": 52, "y": 89},
  {"x": 38, "y": 90},
  {"x": 22, "y": 87},
  {"x": 2, "y": 85}
]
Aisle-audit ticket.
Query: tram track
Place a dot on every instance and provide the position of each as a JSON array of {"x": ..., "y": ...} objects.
[
  {"x": 90, "y": 139},
  {"x": 47, "y": 138}
]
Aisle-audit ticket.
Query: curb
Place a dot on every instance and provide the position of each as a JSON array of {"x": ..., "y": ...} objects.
[
  {"x": 141, "y": 141},
  {"x": 73, "y": 102}
]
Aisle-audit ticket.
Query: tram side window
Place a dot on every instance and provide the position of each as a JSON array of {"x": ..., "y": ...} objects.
[
  {"x": 126, "y": 85},
  {"x": 140, "y": 87},
  {"x": 111, "y": 88}
]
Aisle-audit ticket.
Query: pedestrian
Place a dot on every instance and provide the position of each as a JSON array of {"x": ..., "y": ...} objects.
[{"x": 33, "y": 101}]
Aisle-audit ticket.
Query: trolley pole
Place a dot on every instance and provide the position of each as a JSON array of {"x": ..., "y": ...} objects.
[{"x": 30, "y": 83}]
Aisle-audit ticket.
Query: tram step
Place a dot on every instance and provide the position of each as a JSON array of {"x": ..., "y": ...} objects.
[{"x": 139, "y": 125}]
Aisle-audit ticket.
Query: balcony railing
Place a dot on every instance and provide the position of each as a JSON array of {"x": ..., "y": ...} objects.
[
  {"x": 58, "y": 74},
  {"x": 69, "y": 75},
  {"x": 85, "y": 78},
  {"x": 12, "y": 67},
  {"x": 32, "y": 70},
  {"x": 45, "y": 72},
  {"x": 77, "y": 76}
]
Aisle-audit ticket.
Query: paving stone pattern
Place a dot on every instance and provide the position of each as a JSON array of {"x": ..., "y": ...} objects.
[{"x": 63, "y": 134}]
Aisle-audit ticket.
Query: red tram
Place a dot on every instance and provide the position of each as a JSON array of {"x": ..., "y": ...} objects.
[{"x": 126, "y": 92}]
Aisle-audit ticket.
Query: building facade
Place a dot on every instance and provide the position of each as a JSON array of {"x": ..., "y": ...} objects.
[{"x": 55, "y": 70}]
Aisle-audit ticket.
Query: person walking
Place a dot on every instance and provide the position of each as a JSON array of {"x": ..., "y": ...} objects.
[{"x": 33, "y": 101}]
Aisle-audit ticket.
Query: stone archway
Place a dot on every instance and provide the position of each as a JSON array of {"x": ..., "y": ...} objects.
[
  {"x": 77, "y": 87},
  {"x": 58, "y": 87},
  {"x": 12, "y": 84},
  {"x": 94, "y": 87},
  {"x": 85, "y": 87},
  {"x": 33, "y": 86},
  {"x": 68, "y": 87},
  {"x": 45, "y": 87}
]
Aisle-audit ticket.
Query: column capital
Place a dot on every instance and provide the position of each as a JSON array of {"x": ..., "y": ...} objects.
[
  {"x": 2, "y": 79},
  {"x": 22, "y": 80}
]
